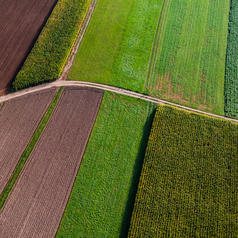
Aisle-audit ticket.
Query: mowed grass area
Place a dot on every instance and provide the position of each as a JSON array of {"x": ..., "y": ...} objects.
[
  {"x": 118, "y": 42},
  {"x": 189, "y": 179},
  {"x": 102, "y": 198},
  {"x": 189, "y": 63}
]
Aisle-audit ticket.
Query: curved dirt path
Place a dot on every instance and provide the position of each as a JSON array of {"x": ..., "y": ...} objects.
[{"x": 106, "y": 88}]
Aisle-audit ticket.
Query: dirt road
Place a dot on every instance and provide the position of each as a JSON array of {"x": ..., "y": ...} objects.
[{"x": 107, "y": 88}]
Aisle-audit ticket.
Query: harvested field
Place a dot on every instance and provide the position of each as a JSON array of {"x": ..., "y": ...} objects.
[
  {"x": 21, "y": 22},
  {"x": 38, "y": 199},
  {"x": 20, "y": 118}
]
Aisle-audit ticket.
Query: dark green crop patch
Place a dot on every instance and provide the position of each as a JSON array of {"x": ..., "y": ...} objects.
[
  {"x": 231, "y": 77},
  {"x": 189, "y": 179}
]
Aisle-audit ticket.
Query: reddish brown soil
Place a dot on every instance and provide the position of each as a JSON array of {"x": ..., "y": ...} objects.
[
  {"x": 18, "y": 119},
  {"x": 37, "y": 202},
  {"x": 21, "y": 22}
]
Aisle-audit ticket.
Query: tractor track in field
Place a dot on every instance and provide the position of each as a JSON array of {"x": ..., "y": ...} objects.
[
  {"x": 121, "y": 91},
  {"x": 78, "y": 41}
]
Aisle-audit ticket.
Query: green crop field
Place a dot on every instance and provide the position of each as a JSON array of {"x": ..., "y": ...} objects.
[
  {"x": 118, "y": 42},
  {"x": 102, "y": 198},
  {"x": 188, "y": 64},
  {"x": 189, "y": 179},
  {"x": 231, "y": 79},
  {"x": 52, "y": 48}
]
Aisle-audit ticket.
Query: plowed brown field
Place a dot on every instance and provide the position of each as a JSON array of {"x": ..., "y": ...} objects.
[
  {"x": 21, "y": 22},
  {"x": 37, "y": 202},
  {"x": 19, "y": 119}
]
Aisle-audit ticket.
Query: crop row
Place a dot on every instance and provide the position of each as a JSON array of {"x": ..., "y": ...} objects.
[
  {"x": 188, "y": 185},
  {"x": 231, "y": 77},
  {"x": 37, "y": 201},
  {"x": 49, "y": 54}
]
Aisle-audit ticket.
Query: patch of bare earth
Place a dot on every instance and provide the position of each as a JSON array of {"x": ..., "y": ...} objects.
[
  {"x": 21, "y": 22},
  {"x": 164, "y": 90},
  {"x": 37, "y": 202},
  {"x": 19, "y": 119}
]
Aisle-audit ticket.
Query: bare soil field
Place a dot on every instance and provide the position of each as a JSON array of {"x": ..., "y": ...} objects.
[
  {"x": 37, "y": 202},
  {"x": 21, "y": 22},
  {"x": 19, "y": 119}
]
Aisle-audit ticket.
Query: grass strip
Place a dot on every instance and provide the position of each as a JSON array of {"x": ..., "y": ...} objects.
[
  {"x": 28, "y": 150},
  {"x": 189, "y": 179},
  {"x": 51, "y": 50},
  {"x": 231, "y": 77},
  {"x": 102, "y": 198}
]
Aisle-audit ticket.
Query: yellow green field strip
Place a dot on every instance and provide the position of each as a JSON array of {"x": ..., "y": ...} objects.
[
  {"x": 188, "y": 184},
  {"x": 53, "y": 46}
]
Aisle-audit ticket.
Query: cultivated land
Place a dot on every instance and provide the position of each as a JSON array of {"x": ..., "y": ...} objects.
[
  {"x": 117, "y": 45},
  {"x": 171, "y": 49},
  {"x": 19, "y": 119},
  {"x": 102, "y": 198},
  {"x": 37, "y": 201},
  {"x": 188, "y": 66},
  {"x": 21, "y": 22},
  {"x": 188, "y": 184},
  {"x": 22, "y": 161},
  {"x": 231, "y": 79},
  {"x": 47, "y": 59}
]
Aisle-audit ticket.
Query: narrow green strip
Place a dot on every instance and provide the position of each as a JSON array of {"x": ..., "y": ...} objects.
[{"x": 29, "y": 148}]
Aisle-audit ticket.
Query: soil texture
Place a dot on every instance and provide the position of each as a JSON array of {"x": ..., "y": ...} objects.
[
  {"x": 19, "y": 119},
  {"x": 21, "y": 22},
  {"x": 37, "y": 202}
]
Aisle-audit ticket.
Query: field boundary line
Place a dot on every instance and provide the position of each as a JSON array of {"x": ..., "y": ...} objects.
[
  {"x": 78, "y": 41},
  {"x": 105, "y": 87},
  {"x": 156, "y": 41}
]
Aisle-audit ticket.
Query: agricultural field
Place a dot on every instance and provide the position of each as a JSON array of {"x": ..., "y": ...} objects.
[
  {"x": 117, "y": 45},
  {"x": 188, "y": 66},
  {"x": 52, "y": 48},
  {"x": 19, "y": 119},
  {"x": 21, "y": 22},
  {"x": 62, "y": 175},
  {"x": 188, "y": 184},
  {"x": 37, "y": 201},
  {"x": 102, "y": 198},
  {"x": 231, "y": 79}
]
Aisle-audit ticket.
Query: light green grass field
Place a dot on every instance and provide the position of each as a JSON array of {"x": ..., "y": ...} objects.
[
  {"x": 117, "y": 45},
  {"x": 189, "y": 63},
  {"x": 103, "y": 194}
]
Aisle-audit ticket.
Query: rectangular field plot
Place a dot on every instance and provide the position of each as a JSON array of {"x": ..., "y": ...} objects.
[
  {"x": 101, "y": 202},
  {"x": 188, "y": 185},
  {"x": 117, "y": 44},
  {"x": 20, "y": 21},
  {"x": 189, "y": 61},
  {"x": 231, "y": 79},
  {"x": 36, "y": 204},
  {"x": 19, "y": 119}
]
